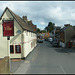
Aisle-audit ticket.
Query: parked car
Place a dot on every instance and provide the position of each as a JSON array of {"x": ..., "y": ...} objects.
[
  {"x": 40, "y": 40},
  {"x": 55, "y": 43},
  {"x": 50, "y": 40},
  {"x": 46, "y": 39}
]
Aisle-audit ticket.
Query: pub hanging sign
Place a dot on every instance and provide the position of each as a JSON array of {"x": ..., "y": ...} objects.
[{"x": 8, "y": 28}]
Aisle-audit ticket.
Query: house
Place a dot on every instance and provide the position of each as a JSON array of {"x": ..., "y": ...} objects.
[
  {"x": 43, "y": 35},
  {"x": 23, "y": 40},
  {"x": 55, "y": 31},
  {"x": 72, "y": 40},
  {"x": 66, "y": 33},
  {"x": 40, "y": 35},
  {"x": 47, "y": 35}
]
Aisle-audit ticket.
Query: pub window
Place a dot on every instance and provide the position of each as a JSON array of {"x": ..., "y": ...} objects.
[
  {"x": 11, "y": 49},
  {"x": 18, "y": 48}
]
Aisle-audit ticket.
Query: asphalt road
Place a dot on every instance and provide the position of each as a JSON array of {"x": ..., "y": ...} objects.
[{"x": 45, "y": 59}]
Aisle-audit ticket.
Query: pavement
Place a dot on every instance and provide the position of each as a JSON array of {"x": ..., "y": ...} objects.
[
  {"x": 45, "y": 59},
  {"x": 15, "y": 65}
]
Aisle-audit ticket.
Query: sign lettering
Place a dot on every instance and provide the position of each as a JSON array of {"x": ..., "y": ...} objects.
[{"x": 8, "y": 28}]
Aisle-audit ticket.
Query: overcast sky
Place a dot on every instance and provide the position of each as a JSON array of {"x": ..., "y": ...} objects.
[{"x": 43, "y": 12}]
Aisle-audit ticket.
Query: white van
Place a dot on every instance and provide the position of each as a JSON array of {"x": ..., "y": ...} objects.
[{"x": 50, "y": 40}]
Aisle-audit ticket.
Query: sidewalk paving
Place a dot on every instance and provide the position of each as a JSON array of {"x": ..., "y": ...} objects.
[
  {"x": 65, "y": 50},
  {"x": 15, "y": 65},
  {"x": 70, "y": 50},
  {"x": 20, "y": 67}
]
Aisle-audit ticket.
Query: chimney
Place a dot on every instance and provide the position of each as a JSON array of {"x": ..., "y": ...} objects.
[
  {"x": 66, "y": 25},
  {"x": 32, "y": 25},
  {"x": 35, "y": 28},
  {"x": 30, "y": 21},
  {"x": 24, "y": 18}
]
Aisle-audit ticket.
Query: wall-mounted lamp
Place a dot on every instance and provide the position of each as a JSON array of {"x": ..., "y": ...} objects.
[{"x": 19, "y": 31}]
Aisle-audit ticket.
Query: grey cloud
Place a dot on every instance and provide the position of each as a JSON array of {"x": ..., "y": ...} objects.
[{"x": 58, "y": 12}]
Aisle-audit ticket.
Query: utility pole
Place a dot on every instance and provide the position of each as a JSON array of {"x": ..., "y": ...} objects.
[
  {"x": 8, "y": 30},
  {"x": 8, "y": 51}
]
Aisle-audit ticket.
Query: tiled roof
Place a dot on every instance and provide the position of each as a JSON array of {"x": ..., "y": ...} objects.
[
  {"x": 21, "y": 22},
  {"x": 74, "y": 27},
  {"x": 64, "y": 28}
]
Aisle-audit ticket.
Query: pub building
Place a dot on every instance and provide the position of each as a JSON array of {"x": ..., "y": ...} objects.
[{"x": 21, "y": 33}]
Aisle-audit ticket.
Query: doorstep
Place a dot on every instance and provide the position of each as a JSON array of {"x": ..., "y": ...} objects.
[{"x": 16, "y": 59}]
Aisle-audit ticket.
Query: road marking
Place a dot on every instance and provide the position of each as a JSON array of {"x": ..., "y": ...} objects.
[{"x": 62, "y": 69}]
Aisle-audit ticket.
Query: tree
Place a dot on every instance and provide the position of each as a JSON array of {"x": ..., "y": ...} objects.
[
  {"x": 43, "y": 31},
  {"x": 46, "y": 28},
  {"x": 38, "y": 30},
  {"x": 50, "y": 27}
]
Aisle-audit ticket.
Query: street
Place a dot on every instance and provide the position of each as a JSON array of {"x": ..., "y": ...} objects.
[{"x": 45, "y": 59}]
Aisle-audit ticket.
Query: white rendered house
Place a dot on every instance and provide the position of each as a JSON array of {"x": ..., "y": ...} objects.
[{"x": 24, "y": 39}]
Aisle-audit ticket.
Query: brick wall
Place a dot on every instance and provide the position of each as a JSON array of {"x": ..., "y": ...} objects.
[
  {"x": 62, "y": 37},
  {"x": 70, "y": 32}
]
